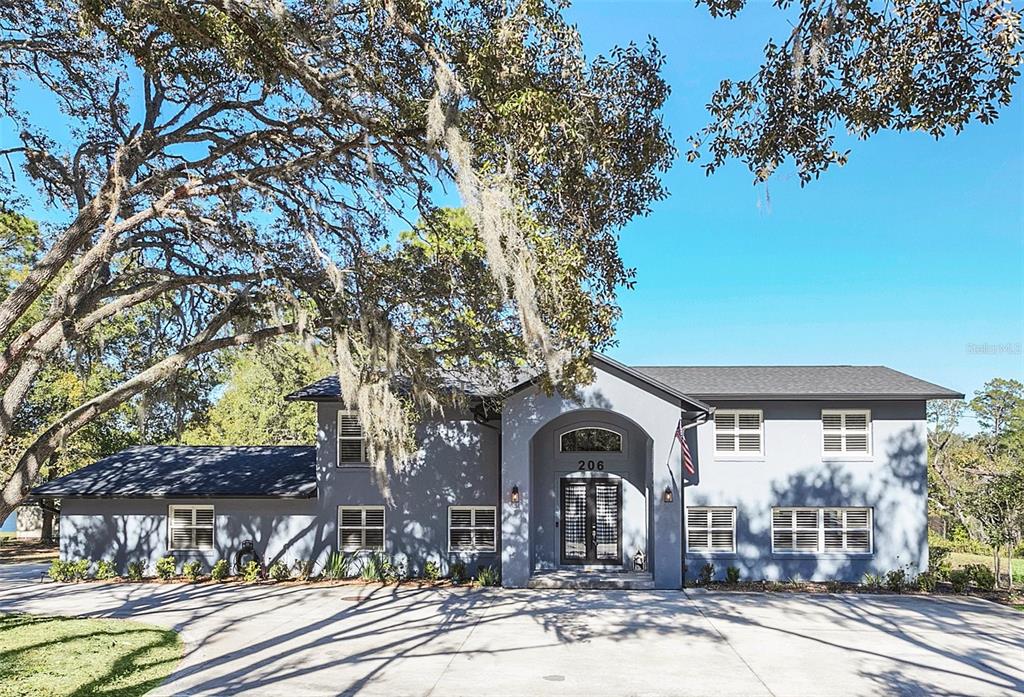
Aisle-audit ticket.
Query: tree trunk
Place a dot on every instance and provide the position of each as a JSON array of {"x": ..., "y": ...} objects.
[
  {"x": 46, "y": 534},
  {"x": 995, "y": 562}
]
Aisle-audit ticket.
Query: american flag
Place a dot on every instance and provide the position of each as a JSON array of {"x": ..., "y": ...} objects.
[{"x": 687, "y": 459}]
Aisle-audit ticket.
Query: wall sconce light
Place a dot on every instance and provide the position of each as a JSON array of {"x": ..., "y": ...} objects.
[
  {"x": 667, "y": 496},
  {"x": 514, "y": 496}
]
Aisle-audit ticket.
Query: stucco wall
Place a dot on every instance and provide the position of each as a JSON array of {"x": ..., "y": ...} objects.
[{"x": 793, "y": 472}]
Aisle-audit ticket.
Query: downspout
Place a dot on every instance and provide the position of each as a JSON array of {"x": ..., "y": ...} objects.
[{"x": 480, "y": 417}]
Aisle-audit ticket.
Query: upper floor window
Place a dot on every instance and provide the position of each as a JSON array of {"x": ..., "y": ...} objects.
[
  {"x": 190, "y": 527},
  {"x": 846, "y": 431},
  {"x": 739, "y": 432},
  {"x": 351, "y": 442},
  {"x": 591, "y": 439}
]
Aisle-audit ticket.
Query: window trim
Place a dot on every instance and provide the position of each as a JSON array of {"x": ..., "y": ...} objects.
[
  {"x": 212, "y": 527},
  {"x": 363, "y": 462},
  {"x": 710, "y": 528},
  {"x": 845, "y": 454},
  {"x": 363, "y": 527},
  {"x": 820, "y": 550},
  {"x": 475, "y": 550},
  {"x": 738, "y": 454},
  {"x": 593, "y": 427}
]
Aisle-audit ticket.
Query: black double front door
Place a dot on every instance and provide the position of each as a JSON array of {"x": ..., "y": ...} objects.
[{"x": 591, "y": 521}]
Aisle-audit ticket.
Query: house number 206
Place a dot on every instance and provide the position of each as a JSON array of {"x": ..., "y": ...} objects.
[{"x": 591, "y": 465}]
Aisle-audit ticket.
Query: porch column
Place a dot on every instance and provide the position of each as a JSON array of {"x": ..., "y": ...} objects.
[
  {"x": 515, "y": 517},
  {"x": 667, "y": 535}
]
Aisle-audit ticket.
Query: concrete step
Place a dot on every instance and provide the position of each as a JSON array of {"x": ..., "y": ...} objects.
[{"x": 592, "y": 580}]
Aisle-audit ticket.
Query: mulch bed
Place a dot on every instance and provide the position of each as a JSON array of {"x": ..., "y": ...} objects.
[
  {"x": 1003, "y": 597},
  {"x": 13, "y": 551}
]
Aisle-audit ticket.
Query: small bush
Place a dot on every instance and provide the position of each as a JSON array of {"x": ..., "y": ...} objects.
[
  {"x": 166, "y": 568},
  {"x": 981, "y": 576},
  {"x": 304, "y": 569},
  {"x": 192, "y": 570},
  {"x": 873, "y": 581},
  {"x": 960, "y": 579},
  {"x": 488, "y": 576},
  {"x": 927, "y": 581},
  {"x": 337, "y": 567},
  {"x": 251, "y": 572},
  {"x": 732, "y": 575},
  {"x": 896, "y": 580},
  {"x": 79, "y": 570},
  {"x": 59, "y": 571},
  {"x": 834, "y": 586},
  {"x": 136, "y": 570},
  {"x": 279, "y": 571},
  {"x": 458, "y": 572},
  {"x": 220, "y": 570},
  {"x": 431, "y": 570},
  {"x": 104, "y": 570},
  {"x": 378, "y": 567},
  {"x": 707, "y": 574}
]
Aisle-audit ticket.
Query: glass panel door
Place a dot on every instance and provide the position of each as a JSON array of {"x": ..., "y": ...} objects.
[{"x": 591, "y": 521}]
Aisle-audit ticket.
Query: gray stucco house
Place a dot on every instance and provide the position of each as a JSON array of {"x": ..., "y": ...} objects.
[{"x": 798, "y": 472}]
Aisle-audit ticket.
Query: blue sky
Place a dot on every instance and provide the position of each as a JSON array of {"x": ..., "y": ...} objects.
[{"x": 904, "y": 257}]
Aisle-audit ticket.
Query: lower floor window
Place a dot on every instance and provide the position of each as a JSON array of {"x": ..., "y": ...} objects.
[
  {"x": 710, "y": 529},
  {"x": 360, "y": 528},
  {"x": 471, "y": 528},
  {"x": 810, "y": 530},
  {"x": 190, "y": 527}
]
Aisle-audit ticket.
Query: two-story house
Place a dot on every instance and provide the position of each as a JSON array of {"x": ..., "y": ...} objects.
[{"x": 787, "y": 472}]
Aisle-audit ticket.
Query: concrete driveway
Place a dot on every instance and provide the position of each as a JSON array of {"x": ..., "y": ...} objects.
[{"x": 293, "y": 640}]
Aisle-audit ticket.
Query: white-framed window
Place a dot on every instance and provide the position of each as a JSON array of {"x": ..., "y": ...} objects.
[
  {"x": 710, "y": 529},
  {"x": 190, "y": 527},
  {"x": 846, "y": 431},
  {"x": 472, "y": 528},
  {"x": 739, "y": 432},
  {"x": 815, "y": 530},
  {"x": 360, "y": 528},
  {"x": 351, "y": 441},
  {"x": 590, "y": 439}
]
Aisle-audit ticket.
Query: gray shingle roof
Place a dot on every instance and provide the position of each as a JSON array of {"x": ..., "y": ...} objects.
[
  {"x": 791, "y": 382},
  {"x": 164, "y": 471}
]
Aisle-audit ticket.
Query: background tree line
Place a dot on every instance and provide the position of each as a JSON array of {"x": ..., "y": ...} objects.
[{"x": 976, "y": 482}]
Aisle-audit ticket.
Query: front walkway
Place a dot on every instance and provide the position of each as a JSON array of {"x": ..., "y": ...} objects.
[{"x": 380, "y": 641}]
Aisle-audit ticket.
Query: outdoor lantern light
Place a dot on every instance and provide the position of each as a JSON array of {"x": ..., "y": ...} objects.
[
  {"x": 515, "y": 494},
  {"x": 667, "y": 496}
]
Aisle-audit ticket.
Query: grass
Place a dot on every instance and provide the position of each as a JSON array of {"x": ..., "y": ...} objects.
[
  {"x": 15, "y": 551},
  {"x": 71, "y": 656},
  {"x": 958, "y": 559}
]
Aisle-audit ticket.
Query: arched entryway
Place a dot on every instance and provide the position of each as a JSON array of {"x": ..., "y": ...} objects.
[{"x": 590, "y": 473}]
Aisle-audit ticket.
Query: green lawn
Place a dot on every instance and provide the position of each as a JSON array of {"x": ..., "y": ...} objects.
[
  {"x": 69, "y": 656},
  {"x": 958, "y": 559}
]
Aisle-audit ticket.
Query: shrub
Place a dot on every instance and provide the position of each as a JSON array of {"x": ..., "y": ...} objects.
[
  {"x": 378, "y": 567},
  {"x": 431, "y": 571},
  {"x": 873, "y": 581},
  {"x": 220, "y": 570},
  {"x": 488, "y": 576},
  {"x": 304, "y": 569},
  {"x": 834, "y": 586},
  {"x": 279, "y": 571},
  {"x": 927, "y": 581},
  {"x": 337, "y": 566},
  {"x": 104, "y": 570},
  {"x": 896, "y": 580},
  {"x": 732, "y": 575},
  {"x": 960, "y": 579},
  {"x": 981, "y": 576},
  {"x": 166, "y": 567},
  {"x": 59, "y": 571},
  {"x": 458, "y": 572},
  {"x": 136, "y": 570},
  {"x": 192, "y": 570},
  {"x": 251, "y": 572},
  {"x": 707, "y": 574}
]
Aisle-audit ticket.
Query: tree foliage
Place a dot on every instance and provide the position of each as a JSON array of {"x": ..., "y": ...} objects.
[{"x": 861, "y": 66}]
